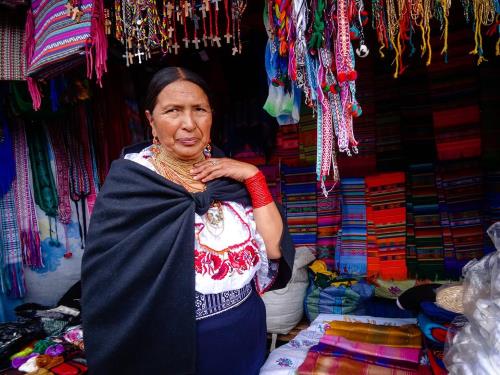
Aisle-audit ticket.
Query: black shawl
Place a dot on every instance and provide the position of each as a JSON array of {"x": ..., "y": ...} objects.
[{"x": 138, "y": 278}]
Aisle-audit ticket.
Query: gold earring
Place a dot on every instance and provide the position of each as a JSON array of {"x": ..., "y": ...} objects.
[{"x": 155, "y": 149}]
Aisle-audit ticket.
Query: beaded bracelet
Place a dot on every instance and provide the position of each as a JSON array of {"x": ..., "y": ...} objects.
[{"x": 258, "y": 190}]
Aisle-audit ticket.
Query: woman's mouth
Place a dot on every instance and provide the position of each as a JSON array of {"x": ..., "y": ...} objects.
[{"x": 188, "y": 141}]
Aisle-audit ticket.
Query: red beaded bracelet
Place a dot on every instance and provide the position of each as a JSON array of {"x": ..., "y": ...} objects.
[{"x": 258, "y": 190}]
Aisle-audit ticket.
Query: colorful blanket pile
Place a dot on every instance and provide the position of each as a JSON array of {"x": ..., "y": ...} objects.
[
  {"x": 299, "y": 199},
  {"x": 364, "y": 348}
]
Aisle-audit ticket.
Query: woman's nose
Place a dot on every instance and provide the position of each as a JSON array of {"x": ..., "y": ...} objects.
[{"x": 189, "y": 120}]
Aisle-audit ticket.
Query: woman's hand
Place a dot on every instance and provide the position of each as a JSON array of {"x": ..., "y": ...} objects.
[{"x": 213, "y": 168}]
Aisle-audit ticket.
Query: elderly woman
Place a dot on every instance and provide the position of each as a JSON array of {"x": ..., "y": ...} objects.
[{"x": 181, "y": 244}]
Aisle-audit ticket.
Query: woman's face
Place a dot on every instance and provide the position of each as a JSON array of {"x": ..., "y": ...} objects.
[{"x": 182, "y": 119}]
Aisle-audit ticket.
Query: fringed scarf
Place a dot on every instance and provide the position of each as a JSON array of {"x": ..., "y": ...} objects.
[
  {"x": 25, "y": 204},
  {"x": 8, "y": 170},
  {"x": 11, "y": 265}
]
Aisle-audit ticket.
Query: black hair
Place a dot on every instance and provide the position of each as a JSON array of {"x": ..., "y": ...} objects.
[{"x": 166, "y": 76}]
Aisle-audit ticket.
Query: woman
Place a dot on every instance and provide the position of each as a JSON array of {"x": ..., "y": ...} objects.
[{"x": 180, "y": 244}]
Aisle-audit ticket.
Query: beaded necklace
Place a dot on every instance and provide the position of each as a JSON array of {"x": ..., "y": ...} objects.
[{"x": 177, "y": 170}]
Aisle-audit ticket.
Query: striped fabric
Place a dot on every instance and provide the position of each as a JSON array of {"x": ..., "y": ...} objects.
[
  {"x": 462, "y": 222},
  {"x": 11, "y": 272},
  {"x": 12, "y": 59},
  {"x": 307, "y": 137},
  {"x": 426, "y": 221},
  {"x": 350, "y": 253},
  {"x": 386, "y": 195},
  {"x": 329, "y": 219},
  {"x": 59, "y": 40},
  {"x": 287, "y": 145},
  {"x": 299, "y": 199}
]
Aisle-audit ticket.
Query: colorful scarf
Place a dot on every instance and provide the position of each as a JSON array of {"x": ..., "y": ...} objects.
[
  {"x": 350, "y": 255},
  {"x": 25, "y": 204},
  {"x": 319, "y": 364},
  {"x": 11, "y": 265},
  {"x": 407, "y": 336},
  {"x": 43, "y": 180},
  {"x": 407, "y": 358}
]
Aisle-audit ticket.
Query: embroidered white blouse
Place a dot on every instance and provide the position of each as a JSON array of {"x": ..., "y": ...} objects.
[{"x": 229, "y": 256}]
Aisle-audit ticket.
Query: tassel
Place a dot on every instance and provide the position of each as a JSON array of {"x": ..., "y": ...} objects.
[
  {"x": 29, "y": 48},
  {"x": 97, "y": 44}
]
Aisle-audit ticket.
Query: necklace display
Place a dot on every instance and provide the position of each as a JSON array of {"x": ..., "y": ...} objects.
[
  {"x": 144, "y": 26},
  {"x": 176, "y": 170}
]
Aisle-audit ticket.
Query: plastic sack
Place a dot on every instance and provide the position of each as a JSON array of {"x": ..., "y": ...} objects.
[{"x": 473, "y": 348}]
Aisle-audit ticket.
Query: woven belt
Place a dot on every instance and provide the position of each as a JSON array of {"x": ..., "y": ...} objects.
[{"x": 208, "y": 305}]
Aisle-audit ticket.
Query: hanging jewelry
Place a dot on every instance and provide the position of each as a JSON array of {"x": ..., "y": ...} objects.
[
  {"x": 214, "y": 219},
  {"x": 216, "y": 38}
]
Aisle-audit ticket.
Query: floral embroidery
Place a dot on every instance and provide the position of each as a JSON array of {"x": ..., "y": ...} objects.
[
  {"x": 218, "y": 268},
  {"x": 284, "y": 362}
]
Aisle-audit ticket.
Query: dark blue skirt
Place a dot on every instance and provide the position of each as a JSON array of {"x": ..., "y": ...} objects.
[{"x": 233, "y": 342}]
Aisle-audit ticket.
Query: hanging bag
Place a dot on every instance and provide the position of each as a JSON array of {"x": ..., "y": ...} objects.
[{"x": 60, "y": 36}]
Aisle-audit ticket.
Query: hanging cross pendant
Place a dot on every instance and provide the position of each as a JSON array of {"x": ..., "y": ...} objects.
[
  {"x": 125, "y": 56},
  {"x": 177, "y": 14},
  {"x": 235, "y": 50},
  {"x": 176, "y": 48},
  {"x": 139, "y": 54},
  {"x": 228, "y": 38},
  {"x": 196, "y": 20},
  {"x": 170, "y": 32},
  {"x": 216, "y": 40},
  {"x": 205, "y": 43},
  {"x": 131, "y": 58},
  {"x": 170, "y": 8},
  {"x": 186, "y": 42},
  {"x": 196, "y": 42},
  {"x": 216, "y": 2},
  {"x": 207, "y": 5}
]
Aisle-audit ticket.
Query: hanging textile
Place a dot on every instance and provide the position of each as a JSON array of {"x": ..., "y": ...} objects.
[
  {"x": 8, "y": 171},
  {"x": 386, "y": 195},
  {"x": 350, "y": 254},
  {"x": 11, "y": 267},
  {"x": 12, "y": 59},
  {"x": 25, "y": 204},
  {"x": 59, "y": 35},
  {"x": 43, "y": 181}
]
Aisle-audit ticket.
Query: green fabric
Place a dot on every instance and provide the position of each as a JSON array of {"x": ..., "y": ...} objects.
[
  {"x": 318, "y": 26},
  {"x": 43, "y": 181}
]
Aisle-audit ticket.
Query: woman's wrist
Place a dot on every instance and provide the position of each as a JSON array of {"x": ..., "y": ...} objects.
[{"x": 258, "y": 190}]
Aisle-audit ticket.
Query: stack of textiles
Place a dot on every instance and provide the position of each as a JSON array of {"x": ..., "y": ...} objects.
[
  {"x": 365, "y": 348},
  {"x": 329, "y": 219},
  {"x": 416, "y": 115},
  {"x": 350, "y": 253},
  {"x": 388, "y": 123},
  {"x": 386, "y": 196},
  {"x": 454, "y": 89},
  {"x": 286, "y": 359},
  {"x": 272, "y": 174},
  {"x": 299, "y": 200},
  {"x": 307, "y": 137},
  {"x": 287, "y": 145},
  {"x": 461, "y": 186},
  {"x": 364, "y": 163},
  {"x": 425, "y": 222},
  {"x": 247, "y": 155}
]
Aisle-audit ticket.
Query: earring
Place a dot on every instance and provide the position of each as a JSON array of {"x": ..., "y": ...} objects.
[
  {"x": 155, "y": 149},
  {"x": 207, "y": 151}
]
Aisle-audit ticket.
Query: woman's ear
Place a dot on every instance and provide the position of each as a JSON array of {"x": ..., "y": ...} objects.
[{"x": 149, "y": 116}]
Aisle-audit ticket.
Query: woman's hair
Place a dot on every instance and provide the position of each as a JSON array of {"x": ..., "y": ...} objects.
[{"x": 167, "y": 76}]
